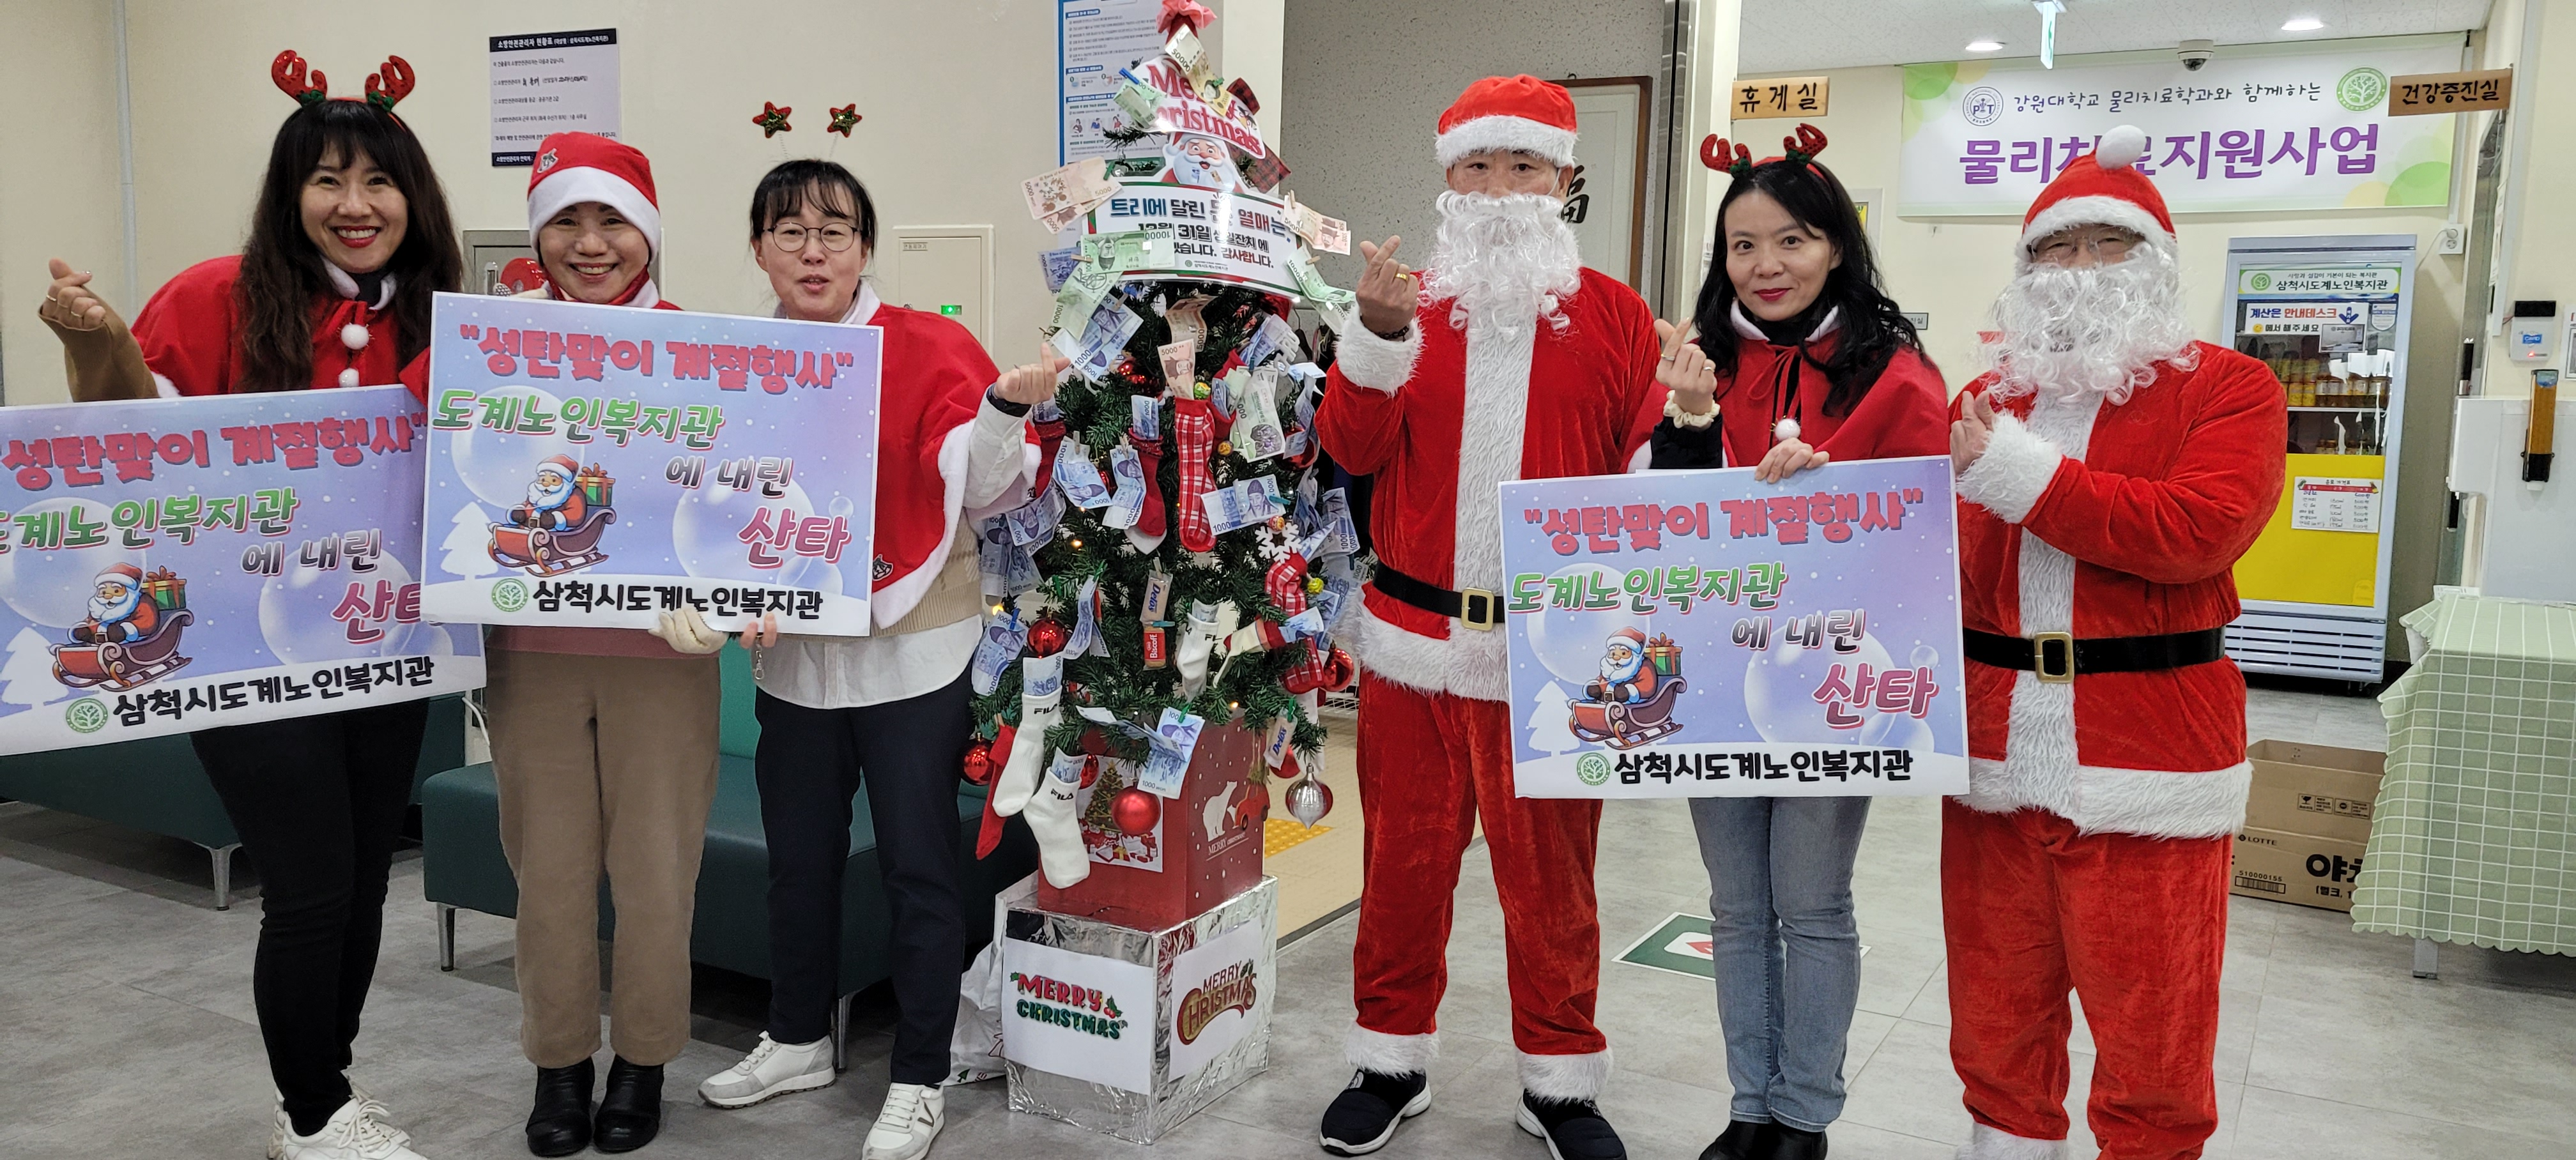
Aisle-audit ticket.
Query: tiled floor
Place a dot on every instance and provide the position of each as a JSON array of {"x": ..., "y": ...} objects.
[{"x": 125, "y": 1023}]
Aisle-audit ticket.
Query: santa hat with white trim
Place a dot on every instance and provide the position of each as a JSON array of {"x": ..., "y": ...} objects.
[
  {"x": 1520, "y": 113},
  {"x": 1629, "y": 639},
  {"x": 2103, "y": 187},
  {"x": 562, "y": 465},
  {"x": 576, "y": 167},
  {"x": 125, "y": 574}
]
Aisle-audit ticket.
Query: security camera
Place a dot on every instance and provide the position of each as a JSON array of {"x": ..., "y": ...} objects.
[{"x": 2194, "y": 54}]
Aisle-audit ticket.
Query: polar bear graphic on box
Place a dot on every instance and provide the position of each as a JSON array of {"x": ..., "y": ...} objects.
[{"x": 1218, "y": 809}]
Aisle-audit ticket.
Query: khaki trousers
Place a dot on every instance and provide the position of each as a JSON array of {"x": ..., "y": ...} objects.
[{"x": 603, "y": 763}]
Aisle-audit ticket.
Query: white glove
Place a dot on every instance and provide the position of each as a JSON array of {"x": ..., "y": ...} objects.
[
  {"x": 686, "y": 631},
  {"x": 1050, "y": 813},
  {"x": 1041, "y": 703}
]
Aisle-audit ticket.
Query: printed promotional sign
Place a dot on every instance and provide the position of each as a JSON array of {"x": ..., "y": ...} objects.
[
  {"x": 1221, "y": 235},
  {"x": 1218, "y": 990},
  {"x": 170, "y": 566},
  {"x": 2328, "y": 281},
  {"x": 1078, "y": 1015},
  {"x": 2303, "y": 317},
  {"x": 1096, "y": 40},
  {"x": 596, "y": 465},
  {"x": 2297, "y": 131},
  {"x": 551, "y": 82},
  {"x": 1703, "y": 634}
]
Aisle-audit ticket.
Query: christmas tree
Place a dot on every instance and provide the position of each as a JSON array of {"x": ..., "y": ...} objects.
[{"x": 1182, "y": 558}]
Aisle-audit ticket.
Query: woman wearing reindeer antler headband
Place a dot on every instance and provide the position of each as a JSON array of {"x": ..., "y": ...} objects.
[
  {"x": 348, "y": 240},
  {"x": 1800, "y": 359}
]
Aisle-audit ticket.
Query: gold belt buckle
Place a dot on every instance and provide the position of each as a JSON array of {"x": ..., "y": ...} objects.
[
  {"x": 1480, "y": 608},
  {"x": 2064, "y": 672}
]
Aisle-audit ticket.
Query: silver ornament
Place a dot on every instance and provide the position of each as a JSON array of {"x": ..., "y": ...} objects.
[{"x": 1309, "y": 800}]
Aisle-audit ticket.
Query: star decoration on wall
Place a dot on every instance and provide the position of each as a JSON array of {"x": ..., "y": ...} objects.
[
  {"x": 844, "y": 119},
  {"x": 772, "y": 119}
]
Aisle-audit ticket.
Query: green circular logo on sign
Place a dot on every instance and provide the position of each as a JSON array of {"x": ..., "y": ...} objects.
[
  {"x": 510, "y": 595},
  {"x": 2362, "y": 89},
  {"x": 2260, "y": 282},
  {"x": 1593, "y": 768},
  {"x": 85, "y": 715}
]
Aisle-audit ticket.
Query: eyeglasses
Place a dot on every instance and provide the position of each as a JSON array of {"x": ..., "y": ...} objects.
[
  {"x": 2106, "y": 245},
  {"x": 791, "y": 238}
]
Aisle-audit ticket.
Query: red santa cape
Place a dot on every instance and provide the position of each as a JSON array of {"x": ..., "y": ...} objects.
[{"x": 187, "y": 334}]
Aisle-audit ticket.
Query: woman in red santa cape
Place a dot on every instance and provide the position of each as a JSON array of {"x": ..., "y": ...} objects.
[
  {"x": 348, "y": 239},
  {"x": 603, "y": 741},
  {"x": 1510, "y": 361},
  {"x": 887, "y": 711},
  {"x": 2110, "y": 470},
  {"x": 1800, "y": 360}
]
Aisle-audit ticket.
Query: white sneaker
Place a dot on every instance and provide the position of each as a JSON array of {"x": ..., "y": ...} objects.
[
  {"x": 772, "y": 1069},
  {"x": 368, "y": 1105},
  {"x": 351, "y": 1134},
  {"x": 908, "y": 1124}
]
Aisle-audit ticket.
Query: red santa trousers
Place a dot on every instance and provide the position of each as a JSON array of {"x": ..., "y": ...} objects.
[
  {"x": 2136, "y": 926},
  {"x": 1431, "y": 765}
]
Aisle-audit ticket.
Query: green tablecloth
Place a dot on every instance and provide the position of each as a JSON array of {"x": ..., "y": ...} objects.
[{"x": 2474, "y": 837}]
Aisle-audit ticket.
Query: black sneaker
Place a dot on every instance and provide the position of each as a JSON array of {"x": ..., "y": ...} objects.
[
  {"x": 1573, "y": 1129},
  {"x": 1363, "y": 1118},
  {"x": 1789, "y": 1143},
  {"x": 1742, "y": 1140}
]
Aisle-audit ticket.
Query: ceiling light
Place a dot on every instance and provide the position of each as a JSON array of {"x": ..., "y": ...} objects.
[
  {"x": 1982, "y": 45},
  {"x": 2302, "y": 24}
]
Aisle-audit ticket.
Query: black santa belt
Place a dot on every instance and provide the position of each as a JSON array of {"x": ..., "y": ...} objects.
[
  {"x": 1477, "y": 608},
  {"x": 2059, "y": 657}
]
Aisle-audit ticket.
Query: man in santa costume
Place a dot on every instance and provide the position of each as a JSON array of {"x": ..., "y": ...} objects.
[
  {"x": 1507, "y": 360},
  {"x": 2110, "y": 471},
  {"x": 553, "y": 500},
  {"x": 1624, "y": 675},
  {"x": 117, "y": 610}
]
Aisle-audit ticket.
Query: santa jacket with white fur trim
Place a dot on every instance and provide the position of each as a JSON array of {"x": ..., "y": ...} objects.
[
  {"x": 1443, "y": 418},
  {"x": 187, "y": 334},
  {"x": 2118, "y": 520}
]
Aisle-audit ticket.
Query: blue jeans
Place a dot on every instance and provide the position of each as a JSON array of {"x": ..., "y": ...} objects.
[{"x": 1787, "y": 949}]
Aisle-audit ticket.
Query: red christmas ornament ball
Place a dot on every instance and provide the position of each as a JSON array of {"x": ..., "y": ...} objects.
[
  {"x": 979, "y": 764},
  {"x": 1046, "y": 638},
  {"x": 1134, "y": 811},
  {"x": 1090, "y": 771}
]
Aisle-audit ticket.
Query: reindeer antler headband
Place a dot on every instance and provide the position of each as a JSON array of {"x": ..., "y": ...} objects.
[
  {"x": 1737, "y": 161},
  {"x": 386, "y": 87}
]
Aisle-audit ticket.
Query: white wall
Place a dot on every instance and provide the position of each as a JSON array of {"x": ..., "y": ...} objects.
[
  {"x": 59, "y": 193},
  {"x": 1367, "y": 80},
  {"x": 958, "y": 99}
]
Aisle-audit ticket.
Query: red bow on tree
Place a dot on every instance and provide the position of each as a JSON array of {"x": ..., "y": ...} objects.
[{"x": 1180, "y": 14}]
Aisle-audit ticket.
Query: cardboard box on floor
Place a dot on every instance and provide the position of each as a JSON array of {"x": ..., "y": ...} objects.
[
  {"x": 2313, "y": 789},
  {"x": 2307, "y": 822}
]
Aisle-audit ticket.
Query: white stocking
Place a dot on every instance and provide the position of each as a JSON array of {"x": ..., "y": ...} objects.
[
  {"x": 1050, "y": 814},
  {"x": 1041, "y": 702}
]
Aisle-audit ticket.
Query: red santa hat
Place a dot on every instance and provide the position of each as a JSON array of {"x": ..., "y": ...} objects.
[
  {"x": 1520, "y": 113},
  {"x": 125, "y": 574},
  {"x": 562, "y": 465},
  {"x": 576, "y": 167},
  {"x": 1628, "y": 638},
  {"x": 2104, "y": 188}
]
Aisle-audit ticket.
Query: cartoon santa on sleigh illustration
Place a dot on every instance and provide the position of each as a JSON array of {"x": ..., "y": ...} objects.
[
  {"x": 131, "y": 637},
  {"x": 557, "y": 530},
  {"x": 1631, "y": 702}
]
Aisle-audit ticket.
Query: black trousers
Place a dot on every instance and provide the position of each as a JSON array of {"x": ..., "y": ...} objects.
[
  {"x": 809, "y": 766},
  {"x": 318, "y": 802}
]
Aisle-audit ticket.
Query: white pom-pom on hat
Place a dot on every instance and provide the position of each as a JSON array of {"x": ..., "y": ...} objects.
[
  {"x": 349, "y": 379},
  {"x": 2122, "y": 145},
  {"x": 353, "y": 336},
  {"x": 1785, "y": 429}
]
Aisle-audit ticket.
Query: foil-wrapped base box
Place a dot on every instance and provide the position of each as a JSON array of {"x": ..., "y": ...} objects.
[{"x": 1129, "y": 1032}]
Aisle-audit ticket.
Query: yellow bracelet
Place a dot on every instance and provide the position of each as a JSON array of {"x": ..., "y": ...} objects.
[{"x": 1687, "y": 420}]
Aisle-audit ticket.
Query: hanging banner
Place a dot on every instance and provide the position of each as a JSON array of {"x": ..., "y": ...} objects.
[
  {"x": 596, "y": 465},
  {"x": 2277, "y": 132},
  {"x": 1703, "y": 634},
  {"x": 170, "y": 566},
  {"x": 1219, "y": 235}
]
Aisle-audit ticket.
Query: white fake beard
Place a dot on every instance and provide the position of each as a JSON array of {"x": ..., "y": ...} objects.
[
  {"x": 2098, "y": 331},
  {"x": 539, "y": 496},
  {"x": 107, "y": 611},
  {"x": 1504, "y": 259},
  {"x": 1614, "y": 672}
]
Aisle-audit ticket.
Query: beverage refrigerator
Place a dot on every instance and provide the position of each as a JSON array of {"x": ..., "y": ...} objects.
[{"x": 2329, "y": 316}]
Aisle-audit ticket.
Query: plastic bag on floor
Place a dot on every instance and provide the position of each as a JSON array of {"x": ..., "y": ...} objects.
[{"x": 975, "y": 1047}]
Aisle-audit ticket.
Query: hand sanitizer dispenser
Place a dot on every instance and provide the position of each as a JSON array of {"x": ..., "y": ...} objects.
[{"x": 2531, "y": 335}]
